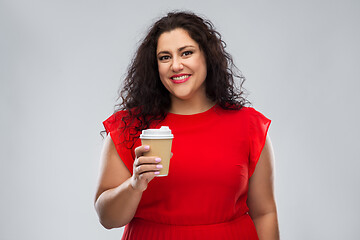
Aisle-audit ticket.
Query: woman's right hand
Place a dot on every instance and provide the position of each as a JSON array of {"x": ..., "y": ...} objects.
[{"x": 144, "y": 169}]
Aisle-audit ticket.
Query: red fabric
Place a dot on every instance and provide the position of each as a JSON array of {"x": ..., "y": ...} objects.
[{"x": 204, "y": 196}]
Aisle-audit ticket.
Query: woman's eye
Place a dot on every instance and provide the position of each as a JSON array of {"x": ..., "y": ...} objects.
[
  {"x": 164, "y": 58},
  {"x": 187, "y": 53}
]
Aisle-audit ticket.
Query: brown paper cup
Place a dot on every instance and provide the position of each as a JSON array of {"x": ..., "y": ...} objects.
[{"x": 160, "y": 148}]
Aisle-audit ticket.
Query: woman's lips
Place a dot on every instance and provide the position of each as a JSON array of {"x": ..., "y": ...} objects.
[{"x": 180, "y": 78}]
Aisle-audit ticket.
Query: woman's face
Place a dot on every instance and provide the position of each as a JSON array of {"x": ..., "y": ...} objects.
[{"x": 182, "y": 65}]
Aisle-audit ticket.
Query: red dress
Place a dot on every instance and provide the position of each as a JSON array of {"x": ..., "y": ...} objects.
[{"x": 204, "y": 195}]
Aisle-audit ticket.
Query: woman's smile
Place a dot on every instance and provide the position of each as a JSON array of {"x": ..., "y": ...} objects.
[{"x": 180, "y": 78}]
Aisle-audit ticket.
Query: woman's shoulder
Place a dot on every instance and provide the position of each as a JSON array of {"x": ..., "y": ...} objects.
[
  {"x": 245, "y": 113},
  {"x": 254, "y": 114},
  {"x": 249, "y": 110},
  {"x": 114, "y": 121},
  {"x": 243, "y": 110}
]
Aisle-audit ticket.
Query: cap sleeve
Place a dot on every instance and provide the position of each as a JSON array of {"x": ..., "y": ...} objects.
[
  {"x": 113, "y": 126},
  {"x": 259, "y": 125}
]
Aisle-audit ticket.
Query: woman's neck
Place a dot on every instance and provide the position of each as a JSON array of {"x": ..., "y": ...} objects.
[{"x": 190, "y": 106}]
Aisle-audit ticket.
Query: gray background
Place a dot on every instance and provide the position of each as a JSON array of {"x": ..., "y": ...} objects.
[{"x": 61, "y": 63}]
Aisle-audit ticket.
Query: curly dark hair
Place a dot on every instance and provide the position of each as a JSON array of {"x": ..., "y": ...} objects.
[{"x": 143, "y": 94}]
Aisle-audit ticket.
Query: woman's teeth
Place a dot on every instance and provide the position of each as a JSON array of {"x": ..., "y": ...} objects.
[{"x": 181, "y": 78}]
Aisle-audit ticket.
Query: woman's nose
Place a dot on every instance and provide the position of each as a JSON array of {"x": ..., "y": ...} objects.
[{"x": 177, "y": 65}]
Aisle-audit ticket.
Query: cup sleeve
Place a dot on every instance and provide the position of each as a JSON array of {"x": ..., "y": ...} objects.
[
  {"x": 259, "y": 126},
  {"x": 113, "y": 126}
]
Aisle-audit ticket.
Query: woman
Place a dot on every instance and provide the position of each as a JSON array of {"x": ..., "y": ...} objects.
[{"x": 183, "y": 78}]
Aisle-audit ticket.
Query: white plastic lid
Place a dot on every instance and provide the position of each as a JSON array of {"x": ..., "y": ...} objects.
[{"x": 163, "y": 133}]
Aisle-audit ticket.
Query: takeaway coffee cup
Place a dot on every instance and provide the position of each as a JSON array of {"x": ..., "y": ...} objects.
[{"x": 160, "y": 141}]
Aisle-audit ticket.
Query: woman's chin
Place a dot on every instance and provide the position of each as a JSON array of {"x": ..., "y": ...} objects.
[{"x": 182, "y": 96}]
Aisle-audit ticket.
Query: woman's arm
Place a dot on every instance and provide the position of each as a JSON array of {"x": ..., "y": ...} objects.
[
  {"x": 261, "y": 201},
  {"x": 118, "y": 193}
]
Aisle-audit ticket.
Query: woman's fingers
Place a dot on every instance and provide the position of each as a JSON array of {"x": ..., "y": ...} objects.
[
  {"x": 144, "y": 168},
  {"x": 139, "y": 151},
  {"x": 143, "y": 174},
  {"x": 146, "y": 160},
  {"x": 147, "y": 177}
]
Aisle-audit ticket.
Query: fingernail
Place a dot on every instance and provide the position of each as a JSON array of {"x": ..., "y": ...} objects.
[
  {"x": 146, "y": 147},
  {"x": 159, "y": 166},
  {"x": 157, "y": 159},
  {"x": 156, "y": 173}
]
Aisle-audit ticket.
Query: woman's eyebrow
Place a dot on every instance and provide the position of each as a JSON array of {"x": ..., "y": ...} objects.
[
  {"x": 163, "y": 52},
  {"x": 179, "y": 50},
  {"x": 182, "y": 48}
]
